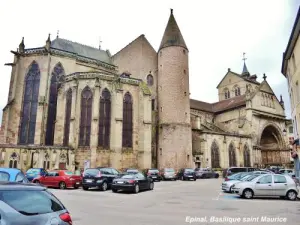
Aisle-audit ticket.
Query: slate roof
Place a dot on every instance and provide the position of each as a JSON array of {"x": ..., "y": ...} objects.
[
  {"x": 172, "y": 35},
  {"x": 218, "y": 106},
  {"x": 82, "y": 50}
]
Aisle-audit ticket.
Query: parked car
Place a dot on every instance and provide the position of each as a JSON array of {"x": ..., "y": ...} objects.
[
  {"x": 271, "y": 185},
  {"x": 153, "y": 173},
  {"x": 61, "y": 178},
  {"x": 236, "y": 176},
  {"x": 100, "y": 177},
  {"x": 286, "y": 172},
  {"x": 206, "y": 173},
  {"x": 227, "y": 185},
  {"x": 12, "y": 175},
  {"x": 168, "y": 174},
  {"x": 132, "y": 182},
  {"x": 34, "y": 205},
  {"x": 187, "y": 174},
  {"x": 232, "y": 170},
  {"x": 34, "y": 173}
]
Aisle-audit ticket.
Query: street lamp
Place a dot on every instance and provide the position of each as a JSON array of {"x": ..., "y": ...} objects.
[{"x": 284, "y": 132}]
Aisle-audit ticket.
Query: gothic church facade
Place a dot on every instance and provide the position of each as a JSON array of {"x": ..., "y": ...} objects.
[{"x": 71, "y": 105}]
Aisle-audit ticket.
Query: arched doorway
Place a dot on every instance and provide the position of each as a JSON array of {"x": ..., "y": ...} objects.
[
  {"x": 215, "y": 156},
  {"x": 247, "y": 162},
  {"x": 272, "y": 147},
  {"x": 232, "y": 156}
]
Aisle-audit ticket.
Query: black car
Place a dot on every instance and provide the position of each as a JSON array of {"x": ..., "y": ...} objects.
[
  {"x": 100, "y": 177},
  {"x": 132, "y": 182},
  {"x": 154, "y": 174},
  {"x": 187, "y": 174}
]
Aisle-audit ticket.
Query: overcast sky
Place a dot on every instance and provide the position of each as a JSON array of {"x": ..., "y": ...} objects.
[{"x": 216, "y": 33}]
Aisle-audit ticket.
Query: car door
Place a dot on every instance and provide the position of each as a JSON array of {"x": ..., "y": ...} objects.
[
  {"x": 143, "y": 180},
  {"x": 109, "y": 175},
  {"x": 264, "y": 186},
  {"x": 280, "y": 185},
  {"x": 56, "y": 179}
]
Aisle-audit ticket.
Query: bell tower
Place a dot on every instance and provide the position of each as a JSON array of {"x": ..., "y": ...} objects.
[{"x": 175, "y": 136}]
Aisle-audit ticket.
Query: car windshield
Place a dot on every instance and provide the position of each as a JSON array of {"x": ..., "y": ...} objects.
[
  {"x": 169, "y": 170},
  {"x": 93, "y": 172},
  {"x": 4, "y": 176},
  {"x": 127, "y": 176},
  {"x": 132, "y": 171},
  {"x": 154, "y": 171},
  {"x": 245, "y": 177},
  {"x": 44, "y": 202},
  {"x": 69, "y": 173},
  {"x": 34, "y": 171},
  {"x": 235, "y": 175},
  {"x": 189, "y": 170}
]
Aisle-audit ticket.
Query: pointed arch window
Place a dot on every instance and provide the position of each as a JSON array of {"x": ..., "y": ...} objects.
[
  {"x": 237, "y": 91},
  {"x": 13, "y": 162},
  {"x": 232, "y": 156},
  {"x": 86, "y": 117},
  {"x": 215, "y": 156},
  {"x": 104, "y": 119},
  {"x": 127, "y": 121},
  {"x": 67, "y": 117},
  {"x": 247, "y": 162},
  {"x": 227, "y": 93},
  {"x": 150, "y": 80},
  {"x": 47, "y": 162},
  {"x": 30, "y": 104},
  {"x": 57, "y": 78}
]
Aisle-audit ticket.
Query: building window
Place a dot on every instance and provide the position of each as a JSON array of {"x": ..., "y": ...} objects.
[
  {"x": 215, "y": 156},
  {"x": 46, "y": 162},
  {"x": 247, "y": 162},
  {"x": 85, "y": 117},
  {"x": 57, "y": 77},
  {"x": 153, "y": 104},
  {"x": 226, "y": 93},
  {"x": 237, "y": 91},
  {"x": 150, "y": 80},
  {"x": 30, "y": 104},
  {"x": 104, "y": 119},
  {"x": 68, "y": 117},
  {"x": 291, "y": 129},
  {"x": 13, "y": 162},
  {"x": 232, "y": 156},
  {"x": 127, "y": 121}
]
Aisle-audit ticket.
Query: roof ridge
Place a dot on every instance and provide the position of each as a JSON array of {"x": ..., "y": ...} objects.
[{"x": 142, "y": 35}]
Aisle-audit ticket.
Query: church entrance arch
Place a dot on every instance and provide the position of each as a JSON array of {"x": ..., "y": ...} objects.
[{"x": 272, "y": 147}]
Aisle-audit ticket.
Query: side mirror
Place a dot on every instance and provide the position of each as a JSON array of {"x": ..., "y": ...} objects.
[{"x": 258, "y": 182}]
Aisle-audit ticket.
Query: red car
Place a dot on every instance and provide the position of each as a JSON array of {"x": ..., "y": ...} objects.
[{"x": 60, "y": 178}]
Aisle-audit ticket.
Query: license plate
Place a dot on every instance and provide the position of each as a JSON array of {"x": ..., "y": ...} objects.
[
  {"x": 120, "y": 182},
  {"x": 77, "y": 183},
  {"x": 154, "y": 176},
  {"x": 190, "y": 176},
  {"x": 89, "y": 181}
]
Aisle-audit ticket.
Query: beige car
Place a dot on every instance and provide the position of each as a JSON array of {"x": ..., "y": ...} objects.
[{"x": 268, "y": 185}]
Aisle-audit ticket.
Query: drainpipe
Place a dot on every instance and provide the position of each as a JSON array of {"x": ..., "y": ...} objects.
[{"x": 44, "y": 120}]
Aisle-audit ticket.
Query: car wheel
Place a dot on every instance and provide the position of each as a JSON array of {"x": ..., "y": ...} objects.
[
  {"x": 85, "y": 188},
  {"x": 203, "y": 176},
  {"x": 248, "y": 194},
  {"x": 76, "y": 186},
  {"x": 136, "y": 189},
  {"x": 104, "y": 186},
  {"x": 151, "y": 186},
  {"x": 114, "y": 190},
  {"x": 62, "y": 185},
  {"x": 217, "y": 176},
  {"x": 195, "y": 179},
  {"x": 291, "y": 195}
]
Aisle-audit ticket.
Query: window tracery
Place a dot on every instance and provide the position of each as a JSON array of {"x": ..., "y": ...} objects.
[
  {"x": 85, "y": 117},
  {"x": 104, "y": 119},
  {"x": 215, "y": 156},
  {"x": 127, "y": 121}
]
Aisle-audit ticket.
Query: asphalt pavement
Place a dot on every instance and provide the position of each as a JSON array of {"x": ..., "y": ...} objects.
[{"x": 176, "y": 203}]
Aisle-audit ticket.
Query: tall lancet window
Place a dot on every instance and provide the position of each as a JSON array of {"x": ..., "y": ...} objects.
[
  {"x": 57, "y": 77},
  {"x": 85, "y": 117},
  {"x": 30, "y": 104},
  {"x": 104, "y": 119},
  {"x": 67, "y": 117},
  {"x": 127, "y": 121}
]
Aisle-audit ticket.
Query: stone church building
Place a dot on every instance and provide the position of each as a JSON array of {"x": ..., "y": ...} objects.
[{"x": 71, "y": 105}]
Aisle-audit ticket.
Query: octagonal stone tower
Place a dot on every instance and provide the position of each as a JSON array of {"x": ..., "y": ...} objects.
[{"x": 175, "y": 136}]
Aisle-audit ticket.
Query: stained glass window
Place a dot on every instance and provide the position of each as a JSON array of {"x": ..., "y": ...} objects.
[
  {"x": 86, "y": 117},
  {"x": 232, "y": 157},
  {"x": 215, "y": 157},
  {"x": 127, "y": 121},
  {"x": 67, "y": 117},
  {"x": 30, "y": 104},
  {"x": 57, "y": 78},
  {"x": 104, "y": 119}
]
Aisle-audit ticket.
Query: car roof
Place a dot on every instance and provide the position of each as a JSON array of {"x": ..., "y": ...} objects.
[
  {"x": 14, "y": 186},
  {"x": 11, "y": 171}
]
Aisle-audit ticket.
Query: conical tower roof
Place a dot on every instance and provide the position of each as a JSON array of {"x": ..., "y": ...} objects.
[
  {"x": 245, "y": 70},
  {"x": 172, "y": 35}
]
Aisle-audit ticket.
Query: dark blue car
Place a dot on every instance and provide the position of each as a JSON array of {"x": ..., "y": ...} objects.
[
  {"x": 12, "y": 175},
  {"x": 34, "y": 173}
]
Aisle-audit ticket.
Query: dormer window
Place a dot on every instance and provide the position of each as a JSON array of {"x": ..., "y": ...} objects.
[
  {"x": 150, "y": 80},
  {"x": 226, "y": 93}
]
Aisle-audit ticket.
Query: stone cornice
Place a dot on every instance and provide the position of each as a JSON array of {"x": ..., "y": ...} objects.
[
  {"x": 267, "y": 114},
  {"x": 35, "y": 147}
]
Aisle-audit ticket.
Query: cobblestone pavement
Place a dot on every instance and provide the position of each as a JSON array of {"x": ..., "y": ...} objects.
[{"x": 175, "y": 203}]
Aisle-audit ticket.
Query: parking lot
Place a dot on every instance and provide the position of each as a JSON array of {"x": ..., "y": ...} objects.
[{"x": 175, "y": 202}]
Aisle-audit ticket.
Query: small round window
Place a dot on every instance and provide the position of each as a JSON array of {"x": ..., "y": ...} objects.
[{"x": 150, "y": 80}]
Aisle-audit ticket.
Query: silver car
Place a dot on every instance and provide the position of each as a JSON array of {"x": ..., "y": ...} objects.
[
  {"x": 29, "y": 204},
  {"x": 227, "y": 185},
  {"x": 270, "y": 185}
]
